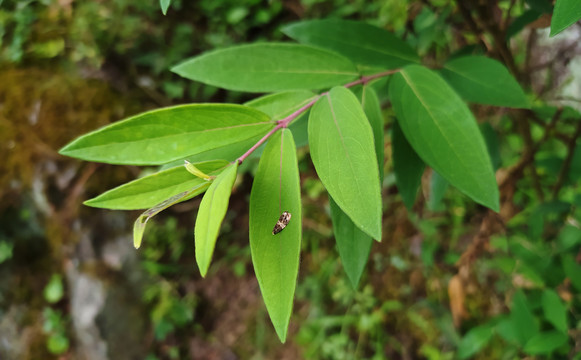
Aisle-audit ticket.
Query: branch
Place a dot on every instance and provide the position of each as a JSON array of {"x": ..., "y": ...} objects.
[{"x": 283, "y": 123}]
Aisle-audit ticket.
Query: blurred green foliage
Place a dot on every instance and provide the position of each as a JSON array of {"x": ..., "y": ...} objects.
[{"x": 522, "y": 297}]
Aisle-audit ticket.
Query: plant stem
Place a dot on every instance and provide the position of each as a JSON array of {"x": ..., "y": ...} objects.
[{"x": 283, "y": 123}]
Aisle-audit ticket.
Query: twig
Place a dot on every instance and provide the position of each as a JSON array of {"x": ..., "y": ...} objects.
[{"x": 283, "y": 123}]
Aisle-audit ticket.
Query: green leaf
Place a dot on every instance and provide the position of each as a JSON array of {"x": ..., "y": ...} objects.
[
  {"x": 342, "y": 150},
  {"x": 443, "y": 132},
  {"x": 572, "y": 270},
  {"x": 276, "y": 188},
  {"x": 269, "y": 67},
  {"x": 164, "y": 4},
  {"x": 353, "y": 244},
  {"x": 407, "y": 166},
  {"x": 486, "y": 81},
  {"x": 474, "y": 341},
  {"x": 210, "y": 215},
  {"x": 523, "y": 321},
  {"x": 566, "y": 13},
  {"x": 160, "y": 136},
  {"x": 149, "y": 191},
  {"x": 554, "y": 310},
  {"x": 141, "y": 221},
  {"x": 54, "y": 290},
  {"x": 363, "y": 43},
  {"x": 545, "y": 342}
]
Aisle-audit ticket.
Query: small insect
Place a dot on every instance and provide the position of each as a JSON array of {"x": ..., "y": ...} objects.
[{"x": 282, "y": 222}]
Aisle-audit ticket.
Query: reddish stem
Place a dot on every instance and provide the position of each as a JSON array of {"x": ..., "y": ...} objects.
[{"x": 283, "y": 123}]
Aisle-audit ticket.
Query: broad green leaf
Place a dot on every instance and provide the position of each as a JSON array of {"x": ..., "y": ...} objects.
[
  {"x": 523, "y": 321},
  {"x": 545, "y": 342},
  {"x": 407, "y": 166},
  {"x": 210, "y": 215},
  {"x": 276, "y": 188},
  {"x": 363, "y": 43},
  {"x": 164, "y": 4},
  {"x": 141, "y": 221},
  {"x": 160, "y": 136},
  {"x": 566, "y": 13},
  {"x": 151, "y": 190},
  {"x": 228, "y": 152},
  {"x": 474, "y": 341},
  {"x": 280, "y": 105},
  {"x": 483, "y": 80},
  {"x": 443, "y": 132},
  {"x": 353, "y": 244},
  {"x": 269, "y": 67},
  {"x": 343, "y": 152},
  {"x": 554, "y": 310}
]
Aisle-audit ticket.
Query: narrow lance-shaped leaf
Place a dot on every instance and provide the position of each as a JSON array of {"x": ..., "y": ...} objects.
[
  {"x": 566, "y": 13},
  {"x": 363, "y": 43},
  {"x": 443, "y": 132},
  {"x": 482, "y": 80},
  {"x": 139, "y": 224},
  {"x": 343, "y": 152},
  {"x": 353, "y": 244},
  {"x": 164, "y": 135},
  {"x": 210, "y": 215},
  {"x": 276, "y": 189},
  {"x": 269, "y": 67},
  {"x": 407, "y": 166},
  {"x": 150, "y": 190}
]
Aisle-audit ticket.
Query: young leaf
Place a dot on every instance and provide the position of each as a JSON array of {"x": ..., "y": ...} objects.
[
  {"x": 545, "y": 342},
  {"x": 353, "y": 244},
  {"x": 342, "y": 150},
  {"x": 150, "y": 190},
  {"x": 141, "y": 222},
  {"x": 486, "y": 81},
  {"x": 554, "y": 310},
  {"x": 407, "y": 166},
  {"x": 160, "y": 136},
  {"x": 276, "y": 188},
  {"x": 210, "y": 215},
  {"x": 192, "y": 169},
  {"x": 269, "y": 67},
  {"x": 164, "y": 4},
  {"x": 566, "y": 13},
  {"x": 363, "y": 43},
  {"x": 474, "y": 341},
  {"x": 443, "y": 132}
]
